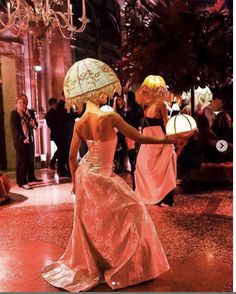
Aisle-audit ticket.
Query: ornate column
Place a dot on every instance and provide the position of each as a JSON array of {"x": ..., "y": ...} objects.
[{"x": 12, "y": 83}]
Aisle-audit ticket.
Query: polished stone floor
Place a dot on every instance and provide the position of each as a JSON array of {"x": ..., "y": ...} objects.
[{"x": 196, "y": 235}]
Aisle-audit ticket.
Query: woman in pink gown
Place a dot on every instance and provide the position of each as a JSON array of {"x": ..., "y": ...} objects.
[
  {"x": 155, "y": 174},
  {"x": 113, "y": 238}
]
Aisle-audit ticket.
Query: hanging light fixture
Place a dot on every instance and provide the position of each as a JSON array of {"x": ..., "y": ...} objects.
[{"x": 41, "y": 18}]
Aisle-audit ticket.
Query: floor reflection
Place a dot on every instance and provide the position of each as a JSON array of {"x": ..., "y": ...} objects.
[{"x": 196, "y": 235}]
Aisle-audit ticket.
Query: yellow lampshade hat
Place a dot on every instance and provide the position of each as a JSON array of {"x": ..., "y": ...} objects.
[
  {"x": 153, "y": 82},
  {"x": 180, "y": 123},
  {"x": 152, "y": 88}
]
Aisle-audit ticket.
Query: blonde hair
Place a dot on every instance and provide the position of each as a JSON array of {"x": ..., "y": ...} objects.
[
  {"x": 77, "y": 103},
  {"x": 153, "y": 89}
]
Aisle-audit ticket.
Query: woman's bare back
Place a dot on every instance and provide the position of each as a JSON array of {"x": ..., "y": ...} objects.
[
  {"x": 157, "y": 110},
  {"x": 96, "y": 125}
]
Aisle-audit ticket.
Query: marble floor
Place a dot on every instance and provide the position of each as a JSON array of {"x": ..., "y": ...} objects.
[{"x": 196, "y": 235}]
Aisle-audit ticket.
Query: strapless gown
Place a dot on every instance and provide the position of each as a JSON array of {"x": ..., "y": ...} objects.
[
  {"x": 155, "y": 174},
  {"x": 113, "y": 238}
]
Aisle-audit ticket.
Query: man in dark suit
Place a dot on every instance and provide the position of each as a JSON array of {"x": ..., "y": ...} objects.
[
  {"x": 52, "y": 122},
  {"x": 66, "y": 123}
]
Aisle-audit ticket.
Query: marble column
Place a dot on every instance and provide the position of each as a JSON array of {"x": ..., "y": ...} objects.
[{"x": 9, "y": 89}]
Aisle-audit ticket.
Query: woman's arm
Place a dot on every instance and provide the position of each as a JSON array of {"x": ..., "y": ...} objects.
[
  {"x": 128, "y": 131},
  {"x": 74, "y": 149}
]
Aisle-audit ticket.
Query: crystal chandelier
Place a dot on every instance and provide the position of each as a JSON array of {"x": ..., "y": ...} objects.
[{"x": 40, "y": 18}]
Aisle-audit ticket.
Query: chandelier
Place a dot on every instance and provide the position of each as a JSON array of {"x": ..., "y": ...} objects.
[{"x": 40, "y": 18}]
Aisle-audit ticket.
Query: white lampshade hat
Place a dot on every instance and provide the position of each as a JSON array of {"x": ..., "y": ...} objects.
[
  {"x": 89, "y": 79},
  {"x": 106, "y": 108},
  {"x": 180, "y": 123}
]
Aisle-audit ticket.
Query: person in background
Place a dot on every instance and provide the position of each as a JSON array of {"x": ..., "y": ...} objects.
[
  {"x": 113, "y": 99},
  {"x": 185, "y": 107},
  {"x": 119, "y": 159},
  {"x": 32, "y": 125},
  {"x": 222, "y": 126},
  {"x": 21, "y": 137},
  {"x": 209, "y": 113},
  {"x": 66, "y": 123},
  {"x": 133, "y": 116},
  {"x": 175, "y": 109},
  {"x": 208, "y": 140},
  {"x": 52, "y": 122}
]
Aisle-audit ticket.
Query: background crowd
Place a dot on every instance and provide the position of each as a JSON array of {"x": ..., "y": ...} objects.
[{"x": 212, "y": 127}]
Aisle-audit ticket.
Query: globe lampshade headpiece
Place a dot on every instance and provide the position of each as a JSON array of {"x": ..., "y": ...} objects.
[
  {"x": 180, "y": 123},
  {"x": 153, "y": 88},
  {"x": 89, "y": 79}
]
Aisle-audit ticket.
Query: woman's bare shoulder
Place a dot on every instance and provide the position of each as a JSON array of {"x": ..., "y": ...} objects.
[
  {"x": 164, "y": 104},
  {"x": 109, "y": 115},
  {"x": 162, "y": 107},
  {"x": 79, "y": 122}
]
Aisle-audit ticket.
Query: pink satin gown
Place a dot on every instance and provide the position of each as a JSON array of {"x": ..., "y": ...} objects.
[
  {"x": 156, "y": 172},
  {"x": 113, "y": 237}
]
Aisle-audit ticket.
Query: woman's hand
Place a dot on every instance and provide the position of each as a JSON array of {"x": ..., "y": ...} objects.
[
  {"x": 32, "y": 123},
  {"x": 181, "y": 140},
  {"x": 26, "y": 141},
  {"x": 182, "y": 137}
]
